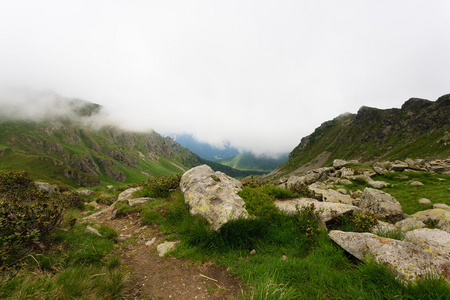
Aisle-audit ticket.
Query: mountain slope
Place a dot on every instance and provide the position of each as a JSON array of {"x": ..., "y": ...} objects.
[
  {"x": 205, "y": 150},
  {"x": 419, "y": 129},
  {"x": 251, "y": 162}
]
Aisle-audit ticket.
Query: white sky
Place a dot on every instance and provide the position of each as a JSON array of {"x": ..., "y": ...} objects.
[{"x": 261, "y": 74}]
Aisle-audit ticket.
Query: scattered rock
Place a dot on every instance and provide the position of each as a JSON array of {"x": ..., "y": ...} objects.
[
  {"x": 94, "y": 204},
  {"x": 329, "y": 210},
  {"x": 332, "y": 195},
  {"x": 440, "y": 216},
  {"x": 347, "y": 172},
  {"x": 424, "y": 201},
  {"x": 217, "y": 201},
  {"x": 441, "y": 206},
  {"x": 122, "y": 237},
  {"x": 253, "y": 252},
  {"x": 418, "y": 183},
  {"x": 342, "y": 191},
  {"x": 85, "y": 192},
  {"x": 401, "y": 177},
  {"x": 380, "y": 203},
  {"x": 151, "y": 242},
  {"x": 409, "y": 224},
  {"x": 436, "y": 239},
  {"x": 377, "y": 184},
  {"x": 90, "y": 230},
  {"x": 406, "y": 259},
  {"x": 166, "y": 247},
  {"x": 344, "y": 181},
  {"x": 339, "y": 163},
  {"x": 380, "y": 168},
  {"x": 382, "y": 227},
  {"x": 399, "y": 166},
  {"x": 284, "y": 258},
  {"x": 44, "y": 186},
  {"x": 136, "y": 201}
]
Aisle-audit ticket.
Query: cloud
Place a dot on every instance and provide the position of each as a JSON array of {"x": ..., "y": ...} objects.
[{"x": 260, "y": 74}]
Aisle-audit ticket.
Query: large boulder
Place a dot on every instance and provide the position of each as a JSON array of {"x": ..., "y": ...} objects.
[
  {"x": 329, "y": 195},
  {"x": 434, "y": 240},
  {"x": 329, "y": 210},
  {"x": 439, "y": 216},
  {"x": 212, "y": 195},
  {"x": 409, "y": 224},
  {"x": 381, "y": 204},
  {"x": 406, "y": 259}
]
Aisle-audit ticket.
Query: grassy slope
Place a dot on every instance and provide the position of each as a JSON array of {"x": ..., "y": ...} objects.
[{"x": 251, "y": 162}]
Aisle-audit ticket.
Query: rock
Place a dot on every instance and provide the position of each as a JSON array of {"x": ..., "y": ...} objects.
[
  {"x": 380, "y": 169},
  {"x": 344, "y": 181},
  {"x": 253, "y": 252},
  {"x": 342, "y": 191},
  {"x": 217, "y": 201},
  {"x": 424, "y": 201},
  {"x": 330, "y": 210},
  {"x": 401, "y": 176},
  {"x": 418, "y": 183},
  {"x": 122, "y": 237},
  {"x": 432, "y": 240},
  {"x": 377, "y": 184},
  {"x": 294, "y": 180},
  {"x": 90, "y": 230},
  {"x": 151, "y": 242},
  {"x": 380, "y": 203},
  {"x": 127, "y": 194},
  {"x": 440, "y": 216},
  {"x": 347, "y": 172},
  {"x": 44, "y": 186},
  {"x": 136, "y": 201},
  {"x": 398, "y": 166},
  {"x": 94, "y": 204},
  {"x": 441, "y": 206},
  {"x": 339, "y": 163},
  {"x": 406, "y": 259},
  {"x": 383, "y": 227},
  {"x": 409, "y": 224},
  {"x": 166, "y": 247},
  {"x": 332, "y": 195},
  {"x": 85, "y": 192},
  {"x": 109, "y": 187},
  {"x": 357, "y": 194},
  {"x": 284, "y": 258}
]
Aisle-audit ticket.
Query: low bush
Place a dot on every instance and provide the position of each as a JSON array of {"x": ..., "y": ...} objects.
[{"x": 160, "y": 187}]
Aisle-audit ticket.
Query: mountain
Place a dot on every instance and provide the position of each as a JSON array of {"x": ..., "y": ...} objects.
[
  {"x": 252, "y": 162},
  {"x": 205, "y": 150},
  {"x": 419, "y": 129}
]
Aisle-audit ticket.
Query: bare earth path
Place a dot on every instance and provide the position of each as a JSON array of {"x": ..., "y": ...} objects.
[{"x": 155, "y": 277}]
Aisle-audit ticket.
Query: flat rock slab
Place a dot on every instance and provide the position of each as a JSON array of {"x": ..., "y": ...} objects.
[
  {"x": 442, "y": 217},
  {"x": 212, "y": 195},
  {"x": 433, "y": 240},
  {"x": 166, "y": 247},
  {"x": 332, "y": 195},
  {"x": 329, "y": 210},
  {"x": 409, "y": 224},
  {"x": 406, "y": 259}
]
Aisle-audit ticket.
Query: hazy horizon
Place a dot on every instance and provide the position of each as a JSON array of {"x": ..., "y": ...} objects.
[{"x": 259, "y": 74}]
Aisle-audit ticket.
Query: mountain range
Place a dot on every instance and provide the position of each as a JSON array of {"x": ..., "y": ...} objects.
[{"x": 419, "y": 129}]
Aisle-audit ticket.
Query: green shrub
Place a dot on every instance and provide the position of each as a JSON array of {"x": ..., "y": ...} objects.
[
  {"x": 259, "y": 201},
  {"x": 302, "y": 190},
  {"x": 160, "y": 187},
  {"x": 356, "y": 222},
  {"x": 71, "y": 199},
  {"x": 27, "y": 217}
]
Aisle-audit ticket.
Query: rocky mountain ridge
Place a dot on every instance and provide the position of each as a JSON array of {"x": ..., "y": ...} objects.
[{"x": 420, "y": 128}]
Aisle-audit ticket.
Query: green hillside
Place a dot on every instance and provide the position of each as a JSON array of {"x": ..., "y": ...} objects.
[
  {"x": 420, "y": 129},
  {"x": 251, "y": 162}
]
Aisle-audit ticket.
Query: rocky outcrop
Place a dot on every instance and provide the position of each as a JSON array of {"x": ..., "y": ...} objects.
[
  {"x": 440, "y": 217},
  {"x": 381, "y": 204},
  {"x": 329, "y": 211},
  {"x": 431, "y": 240},
  {"x": 408, "y": 260},
  {"x": 212, "y": 195}
]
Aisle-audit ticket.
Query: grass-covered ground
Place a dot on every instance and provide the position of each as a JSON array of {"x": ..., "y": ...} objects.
[{"x": 293, "y": 257}]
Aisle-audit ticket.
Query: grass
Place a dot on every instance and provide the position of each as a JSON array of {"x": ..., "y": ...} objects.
[
  {"x": 76, "y": 266},
  {"x": 435, "y": 188},
  {"x": 314, "y": 268}
]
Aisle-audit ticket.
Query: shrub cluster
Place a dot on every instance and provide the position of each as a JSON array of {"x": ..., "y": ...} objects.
[
  {"x": 160, "y": 187},
  {"x": 356, "y": 222},
  {"x": 27, "y": 216}
]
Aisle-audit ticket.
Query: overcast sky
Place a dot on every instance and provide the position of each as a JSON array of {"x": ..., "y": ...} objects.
[{"x": 261, "y": 74}]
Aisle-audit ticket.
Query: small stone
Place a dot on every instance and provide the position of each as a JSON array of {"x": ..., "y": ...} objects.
[
  {"x": 165, "y": 247},
  {"x": 342, "y": 191},
  {"x": 418, "y": 183},
  {"x": 149, "y": 243},
  {"x": 284, "y": 257},
  {"x": 90, "y": 230},
  {"x": 441, "y": 206},
  {"x": 253, "y": 252},
  {"x": 424, "y": 201}
]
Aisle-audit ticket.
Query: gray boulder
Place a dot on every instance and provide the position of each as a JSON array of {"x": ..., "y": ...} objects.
[
  {"x": 339, "y": 163},
  {"x": 380, "y": 169},
  {"x": 166, "y": 247},
  {"x": 440, "y": 216},
  {"x": 441, "y": 206},
  {"x": 409, "y": 224},
  {"x": 398, "y": 166},
  {"x": 44, "y": 186},
  {"x": 212, "y": 195},
  {"x": 329, "y": 210},
  {"x": 434, "y": 240},
  {"x": 406, "y": 259},
  {"x": 380, "y": 203},
  {"x": 332, "y": 195}
]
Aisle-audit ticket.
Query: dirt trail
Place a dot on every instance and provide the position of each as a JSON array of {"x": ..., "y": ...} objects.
[{"x": 154, "y": 277}]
